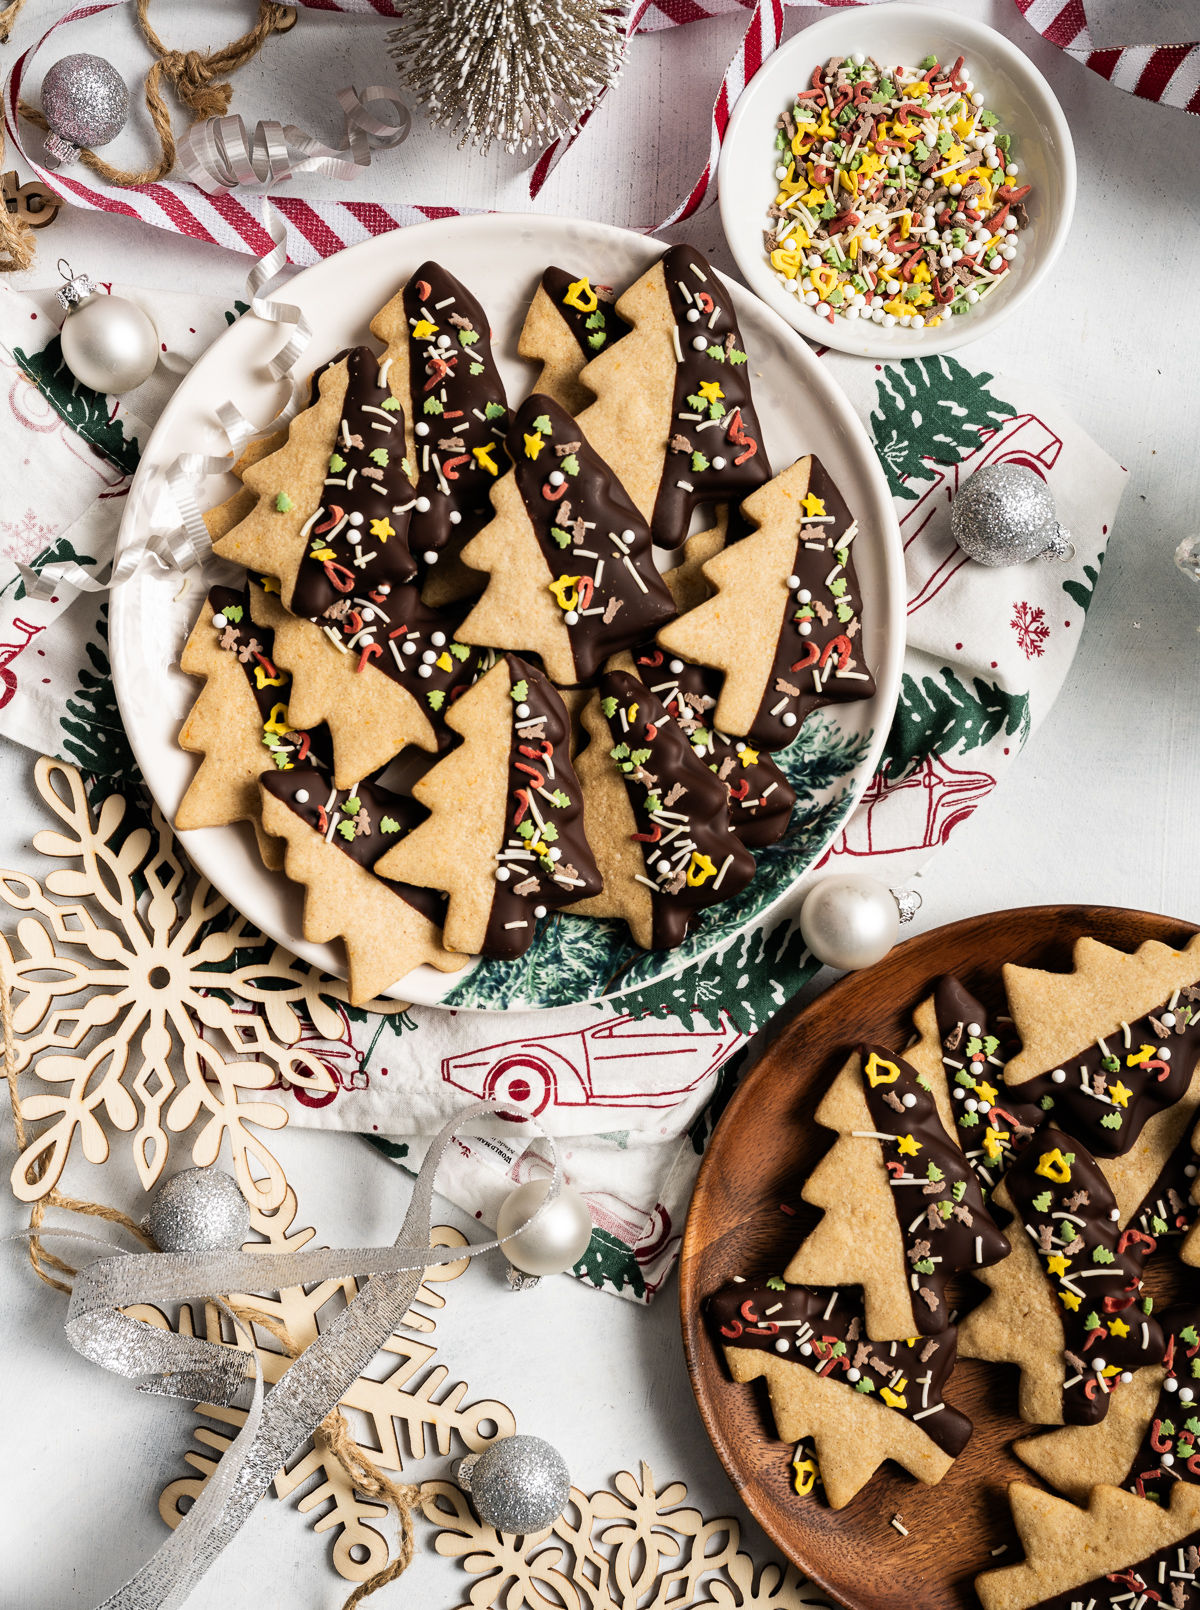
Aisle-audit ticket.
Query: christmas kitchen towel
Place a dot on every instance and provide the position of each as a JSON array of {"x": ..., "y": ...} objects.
[{"x": 631, "y": 1088}]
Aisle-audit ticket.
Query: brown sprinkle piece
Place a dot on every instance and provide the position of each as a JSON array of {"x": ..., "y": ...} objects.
[
  {"x": 529, "y": 885},
  {"x": 930, "y": 1298},
  {"x": 928, "y": 1351},
  {"x": 563, "y": 449}
]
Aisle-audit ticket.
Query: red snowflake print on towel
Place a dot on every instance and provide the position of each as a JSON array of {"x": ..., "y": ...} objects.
[{"x": 1029, "y": 623}]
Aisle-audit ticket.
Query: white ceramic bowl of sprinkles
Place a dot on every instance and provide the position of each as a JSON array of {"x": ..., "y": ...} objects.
[{"x": 902, "y": 36}]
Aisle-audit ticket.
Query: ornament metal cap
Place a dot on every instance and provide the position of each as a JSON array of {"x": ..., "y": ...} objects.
[{"x": 77, "y": 287}]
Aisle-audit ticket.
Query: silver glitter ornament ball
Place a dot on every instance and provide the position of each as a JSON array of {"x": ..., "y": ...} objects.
[
  {"x": 200, "y": 1210},
  {"x": 1004, "y": 515},
  {"x": 85, "y": 100},
  {"x": 518, "y": 1485}
]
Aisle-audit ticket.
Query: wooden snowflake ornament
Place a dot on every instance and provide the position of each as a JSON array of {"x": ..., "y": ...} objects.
[{"x": 106, "y": 1011}]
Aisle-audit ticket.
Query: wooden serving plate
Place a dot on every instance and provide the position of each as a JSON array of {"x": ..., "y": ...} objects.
[{"x": 765, "y": 1146}]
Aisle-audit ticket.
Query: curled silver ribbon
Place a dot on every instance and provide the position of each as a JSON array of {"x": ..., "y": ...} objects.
[
  {"x": 189, "y": 544},
  {"x": 219, "y": 155},
  {"x": 186, "y": 1366}
]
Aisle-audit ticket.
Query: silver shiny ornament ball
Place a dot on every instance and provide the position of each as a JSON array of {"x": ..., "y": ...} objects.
[
  {"x": 200, "y": 1210},
  {"x": 559, "y": 1238},
  {"x": 518, "y": 1485},
  {"x": 1004, "y": 515},
  {"x": 1187, "y": 557},
  {"x": 850, "y": 922},
  {"x": 109, "y": 344},
  {"x": 85, "y": 100}
]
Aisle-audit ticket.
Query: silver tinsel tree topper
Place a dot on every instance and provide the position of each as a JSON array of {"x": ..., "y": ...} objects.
[{"x": 519, "y": 71}]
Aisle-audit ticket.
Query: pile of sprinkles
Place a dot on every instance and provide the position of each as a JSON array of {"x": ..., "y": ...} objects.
[{"x": 898, "y": 199}]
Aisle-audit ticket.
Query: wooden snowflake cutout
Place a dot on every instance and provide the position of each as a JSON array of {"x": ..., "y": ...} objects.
[
  {"x": 142, "y": 995},
  {"x": 612, "y": 1551},
  {"x": 407, "y": 1395}
]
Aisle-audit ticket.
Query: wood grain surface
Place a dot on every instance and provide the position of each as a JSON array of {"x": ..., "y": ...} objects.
[{"x": 763, "y": 1150}]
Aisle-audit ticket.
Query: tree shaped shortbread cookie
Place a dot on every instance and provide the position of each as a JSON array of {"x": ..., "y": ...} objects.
[
  {"x": 569, "y": 323},
  {"x": 785, "y": 622},
  {"x": 1121, "y": 1549},
  {"x": 674, "y": 416},
  {"x": 571, "y": 573},
  {"x": 505, "y": 835},
  {"x": 861, "y": 1403},
  {"x": 334, "y": 838},
  {"x": 903, "y": 1209}
]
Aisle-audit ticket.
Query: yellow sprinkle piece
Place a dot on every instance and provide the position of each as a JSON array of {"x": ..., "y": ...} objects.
[
  {"x": 711, "y": 391},
  {"x": 875, "y": 1077},
  {"x": 700, "y": 869},
  {"x": 748, "y": 756},
  {"x": 905, "y": 221},
  {"x": 805, "y": 1478},
  {"x": 581, "y": 296},
  {"x": 1057, "y": 1265},
  {"x": 631, "y": 714},
  {"x": 907, "y": 1146},
  {"x": 534, "y": 444},
  {"x": 813, "y": 506},
  {"x": 1053, "y": 1166},
  {"x": 382, "y": 529},
  {"x": 1142, "y": 1054},
  {"x": 422, "y": 330},
  {"x": 270, "y": 584},
  {"x": 991, "y": 1142},
  {"x": 894, "y": 1400},
  {"x": 1118, "y": 1327},
  {"x": 279, "y": 720},
  {"x": 1069, "y": 1300},
  {"x": 444, "y": 662},
  {"x": 484, "y": 456},
  {"x": 986, "y": 1092},
  {"x": 566, "y": 600},
  {"x": 921, "y": 274},
  {"x": 322, "y": 554},
  {"x": 1120, "y": 1096},
  {"x": 265, "y": 681}
]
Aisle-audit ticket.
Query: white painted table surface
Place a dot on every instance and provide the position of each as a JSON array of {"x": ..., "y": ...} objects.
[{"x": 1102, "y": 808}]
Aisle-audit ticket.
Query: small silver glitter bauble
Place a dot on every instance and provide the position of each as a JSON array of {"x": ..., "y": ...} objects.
[
  {"x": 1187, "y": 557},
  {"x": 1004, "y": 515},
  {"x": 556, "y": 1242},
  {"x": 518, "y": 1485},
  {"x": 200, "y": 1210},
  {"x": 85, "y": 101},
  {"x": 108, "y": 343},
  {"x": 850, "y": 921}
]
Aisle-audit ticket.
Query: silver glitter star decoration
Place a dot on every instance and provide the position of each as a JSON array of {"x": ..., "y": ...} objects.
[{"x": 522, "y": 72}]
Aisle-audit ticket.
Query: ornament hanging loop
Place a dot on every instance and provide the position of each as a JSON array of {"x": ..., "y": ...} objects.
[{"x": 77, "y": 289}]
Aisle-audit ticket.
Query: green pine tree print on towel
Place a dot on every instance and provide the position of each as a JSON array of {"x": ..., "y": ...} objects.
[
  {"x": 930, "y": 409},
  {"x": 94, "y": 735},
  {"x": 943, "y": 717},
  {"x": 84, "y": 410}
]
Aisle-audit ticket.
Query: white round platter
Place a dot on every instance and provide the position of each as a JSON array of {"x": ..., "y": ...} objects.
[
  {"x": 501, "y": 258},
  {"x": 901, "y": 35}
]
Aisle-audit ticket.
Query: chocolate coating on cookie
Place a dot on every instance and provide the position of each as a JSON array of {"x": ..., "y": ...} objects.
[
  {"x": 460, "y": 414},
  {"x": 587, "y": 311},
  {"x": 824, "y": 1331},
  {"x": 1094, "y": 1268},
  {"x": 693, "y": 859},
  {"x": 944, "y": 1225},
  {"x": 716, "y": 449},
  {"x": 595, "y": 543},
  {"x": 545, "y": 862}
]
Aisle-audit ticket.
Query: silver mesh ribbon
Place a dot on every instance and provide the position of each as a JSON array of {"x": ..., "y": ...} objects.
[
  {"x": 188, "y": 544},
  {"x": 185, "y": 1366}
]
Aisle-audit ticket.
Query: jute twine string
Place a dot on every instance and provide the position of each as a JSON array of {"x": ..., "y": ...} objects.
[
  {"x": 332, "y": 1435},
  {"x": 197, "y": 78}
]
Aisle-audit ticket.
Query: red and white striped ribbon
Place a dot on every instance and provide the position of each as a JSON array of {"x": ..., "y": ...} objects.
[{"x": 1167, "y": 74}]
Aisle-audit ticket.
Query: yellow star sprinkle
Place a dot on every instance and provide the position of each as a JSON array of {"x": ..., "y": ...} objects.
[
  {"x": 1057, "y": 1265},
  {"x": 907, "y": 1146},
  {"x": 711, "y": 391},
  {"x": 986, "y": 1092},
  {"x": 748, "y": 756},
  {"x": 422, "y": 330},
  {"x": 1069, "y": 1300},
  {"x": 813, "y": 506},
  {"x": 1118, "y": 1327},
  {"x": 270, "y": 584},
  {"x": 534, "y": 444},
  {"x": 382, "y": 529},
  {"x": 1119, "y": 1094}
]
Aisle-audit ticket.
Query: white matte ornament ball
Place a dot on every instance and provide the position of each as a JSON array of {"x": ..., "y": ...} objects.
[
  {"x": 1004, "y": 515},
  {"x": 200, "y": 1210},
  {"x": 518, "y": 1485},
  {"x": 109, "y": 344},
  {"x": 850, "y": 922},
  {"x": 559, "y": 1238}
]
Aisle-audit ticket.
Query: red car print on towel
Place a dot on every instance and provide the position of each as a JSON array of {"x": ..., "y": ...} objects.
[
  {"x": 923, "y": 809},
  {"x": 8, "y": 653},
  {"x": 930, "y": 563},
  {"x": 632, "y": 1061}
]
